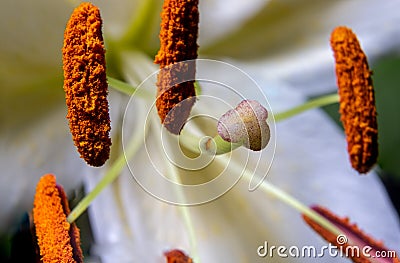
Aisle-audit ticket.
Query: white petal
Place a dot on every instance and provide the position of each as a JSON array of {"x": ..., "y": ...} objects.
[
  {"x": 309, "y": 65},
  {"x": 40, "y": 147},
  {"x": 310, "y": 163},
  {"x": 229, "y": 13}
]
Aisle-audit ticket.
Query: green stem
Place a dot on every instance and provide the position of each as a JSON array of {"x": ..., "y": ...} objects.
[
  {"x": 109, "y": 177},
  {"x": 121, "y": 86},
  {"x": 311, "y": 104},
  {"x": 138, "y": 33},
  {"x": 291, "y": 201},
  {"x": 197, "y": 88},
  {"x": 283, "y": 196},
  {"x": 208, "y": 145},
  {"x": 218, "y": 146},
  {"x": 128, "y": 89}
]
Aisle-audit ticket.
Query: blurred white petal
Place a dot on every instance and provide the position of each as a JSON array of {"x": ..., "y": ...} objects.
[
  {"x": 232, "y": 14},
  {"x": 44, "y": 146},
  {"x": 311, "y": 163},
  {"x": 295, "y": 46}
]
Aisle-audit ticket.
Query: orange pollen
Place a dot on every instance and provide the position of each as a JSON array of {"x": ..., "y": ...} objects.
[
  {"x": 357, "y": 99},
  {"x": 351, "y": 231},
  {"x": 175, "y": 85},
  {"x": 177, "y": 256},
  {"x": 85, "y": 84},
  {"x": 58, "y": 240}
]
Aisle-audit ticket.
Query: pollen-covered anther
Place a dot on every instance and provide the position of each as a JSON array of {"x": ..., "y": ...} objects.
[
  {"x": 177, "y": 256},
  {"x": 357, "y": 99},
  {"x": 175, "y": 82},
  {"x": 85, "y": 84},
  {"x": 246, "y": 124},
  {"x": 58, "y": 240},
  {"x": 354, "y": 243}
]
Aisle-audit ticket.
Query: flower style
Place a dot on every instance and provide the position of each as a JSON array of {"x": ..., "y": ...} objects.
[
  {"x": 247, "y": 124},
  {"x": 140, "y": 226},
  {"x": 58, "y": 240}
]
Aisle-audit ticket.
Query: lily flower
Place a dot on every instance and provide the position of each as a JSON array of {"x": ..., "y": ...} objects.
[{"x": 141, "y": 219}]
